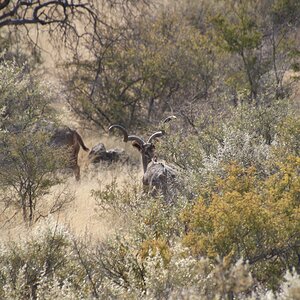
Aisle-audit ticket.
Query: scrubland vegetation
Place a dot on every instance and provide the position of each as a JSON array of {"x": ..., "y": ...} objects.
[{"x": 229, "y": 71}]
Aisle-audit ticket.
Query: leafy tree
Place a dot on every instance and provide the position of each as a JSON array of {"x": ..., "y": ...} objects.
[
  {"x": 262, "y": 47},
  {"x": 29, "y": 167},
  {"x": 28, "y": 164},
  {"x": 160, "y": 60},
  {"x": 243, "y": 39},
  {"x": 143, "y": 70},
  {"x": 23, "y": 100}
]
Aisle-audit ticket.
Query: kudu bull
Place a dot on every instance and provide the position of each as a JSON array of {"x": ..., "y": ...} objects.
[{"x": 158, "y": 177}]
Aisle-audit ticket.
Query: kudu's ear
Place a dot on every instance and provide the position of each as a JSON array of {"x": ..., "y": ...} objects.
[{"x": 137, "y": 145}]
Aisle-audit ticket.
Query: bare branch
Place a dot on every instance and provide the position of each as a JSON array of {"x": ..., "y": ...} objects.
[
  {"x": 4, "y": 4},
  {"x": 38, "y": 12}
]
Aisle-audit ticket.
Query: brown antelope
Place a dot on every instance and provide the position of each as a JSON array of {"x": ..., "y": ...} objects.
[
  {"x": 72, "y": 141},
  {"x": 64, "y": 137},
  {"x": 157, "y": 175}
]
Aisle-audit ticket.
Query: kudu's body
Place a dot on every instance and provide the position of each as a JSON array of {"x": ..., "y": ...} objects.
[
  {"x": 99, "y": 154},
  {"x": 66, "y": 138},
  {"x": 72, "y": 141},
  {"x": 158, "y": 177}
]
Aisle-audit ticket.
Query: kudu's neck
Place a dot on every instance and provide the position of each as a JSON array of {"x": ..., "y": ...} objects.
[{"x": 145, "y": 162}]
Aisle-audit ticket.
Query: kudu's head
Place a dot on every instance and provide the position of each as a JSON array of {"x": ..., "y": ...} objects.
[{"x": 146, "y": 149}]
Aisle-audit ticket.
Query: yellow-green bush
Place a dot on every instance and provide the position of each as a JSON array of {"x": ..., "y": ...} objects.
[{"x": 249, "y": 217}]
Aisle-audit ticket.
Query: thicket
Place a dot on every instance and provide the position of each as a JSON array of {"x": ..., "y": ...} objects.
[
  {"x": 237, "y": 237},
  {"x": 227, "y": 69},
  {"x": 186, "y": 57}
]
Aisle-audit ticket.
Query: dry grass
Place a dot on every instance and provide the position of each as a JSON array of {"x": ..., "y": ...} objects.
[
  {"x": 93, "y": 177},
  {"x": 81, "y": 215}
]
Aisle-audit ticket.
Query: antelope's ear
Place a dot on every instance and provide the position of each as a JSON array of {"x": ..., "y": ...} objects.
[{"x": 137, "y": 145}]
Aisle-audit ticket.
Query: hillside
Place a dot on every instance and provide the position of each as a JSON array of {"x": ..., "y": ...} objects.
[{"x": 205, "y": 100}]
